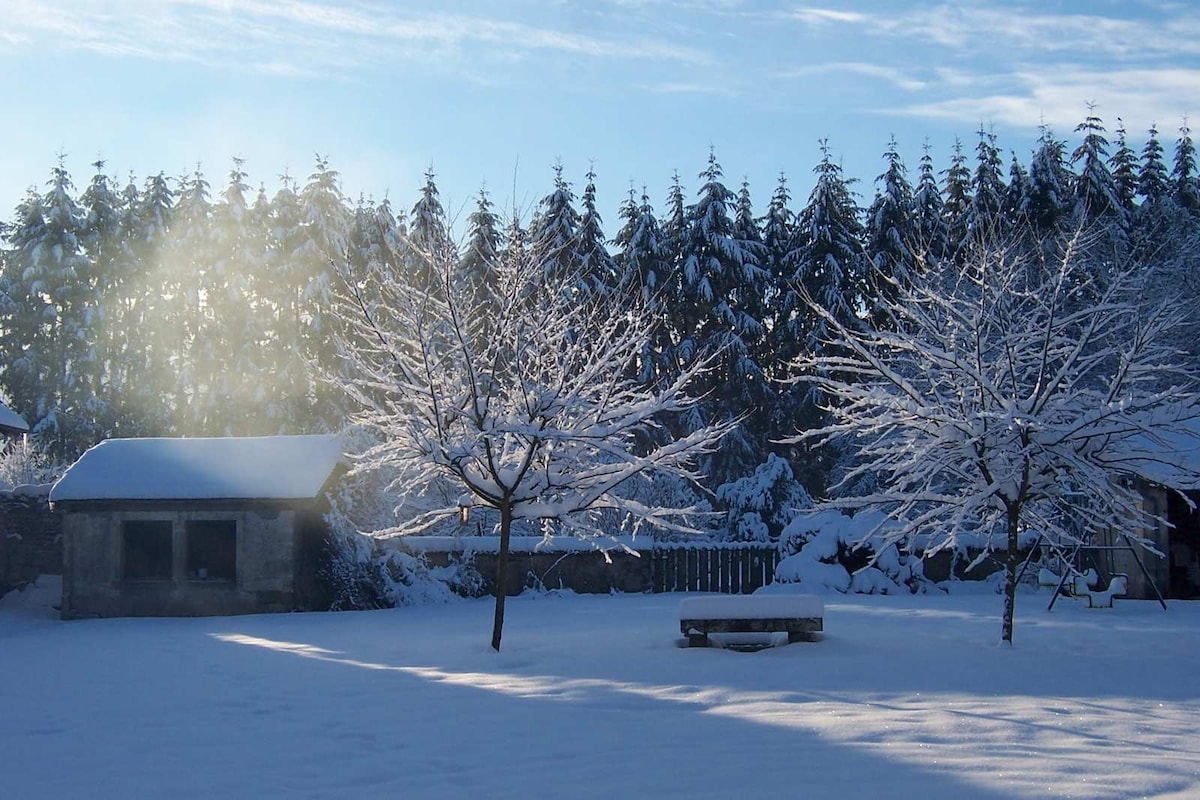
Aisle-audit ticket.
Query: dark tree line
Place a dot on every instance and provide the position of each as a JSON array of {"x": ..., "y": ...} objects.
[{"x": 170, "y": 307}]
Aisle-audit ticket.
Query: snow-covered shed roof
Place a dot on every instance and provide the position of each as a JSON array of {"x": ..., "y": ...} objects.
[
  {"x": 248, "y": 468},
  {"x": 1168, "y": 457},
  {"x": 11, "y": 422}
]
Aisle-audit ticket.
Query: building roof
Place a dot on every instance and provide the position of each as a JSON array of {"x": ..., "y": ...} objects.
[
  {"x": 249, "y": 468},
  {"x": 11, "y": 422},
  {"x": 1171, "y": 460}
]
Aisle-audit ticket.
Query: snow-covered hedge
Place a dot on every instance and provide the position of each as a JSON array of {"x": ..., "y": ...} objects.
[{"x": 830, "y": 551}]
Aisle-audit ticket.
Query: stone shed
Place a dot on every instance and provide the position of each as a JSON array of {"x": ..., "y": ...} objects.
[{"x": 194, "y": 527}]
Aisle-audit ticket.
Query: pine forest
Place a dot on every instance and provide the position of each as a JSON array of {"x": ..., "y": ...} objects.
[{"x": 188, "y": 306}]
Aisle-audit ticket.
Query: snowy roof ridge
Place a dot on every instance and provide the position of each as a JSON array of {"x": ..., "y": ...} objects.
[
  {"x": 12, "y": 421},
  {"x": 228, "y": 468}
]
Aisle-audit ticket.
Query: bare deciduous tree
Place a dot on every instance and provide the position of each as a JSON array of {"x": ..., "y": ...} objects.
[
  {"x": 1018, "y": 397},
  {"x": 527, "y": 402}
]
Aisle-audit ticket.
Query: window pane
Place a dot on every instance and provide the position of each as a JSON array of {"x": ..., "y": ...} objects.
[
  {"x": 212, "y": 550},
  {"x": 147, "y": 550}
]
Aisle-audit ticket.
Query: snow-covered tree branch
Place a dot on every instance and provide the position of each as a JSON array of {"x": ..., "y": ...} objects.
[
  {"x": 526, "y": 402},
  {"x": 1020, "y": 397}
]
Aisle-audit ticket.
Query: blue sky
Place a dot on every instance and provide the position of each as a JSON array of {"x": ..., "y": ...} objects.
[{"x": 496, "y": 92}]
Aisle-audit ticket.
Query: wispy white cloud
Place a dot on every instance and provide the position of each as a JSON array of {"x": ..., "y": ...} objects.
[
  {"x": 1025, "y": 28},
  {"x": 684, "y": 87},
  {"x": 1058, "y": 97},
  {"x": 818, "y": 16},
  {"x": 1018, "y": 65},
  {"x": 292, "y": 37},
  {"x": 889, "y": 74}
]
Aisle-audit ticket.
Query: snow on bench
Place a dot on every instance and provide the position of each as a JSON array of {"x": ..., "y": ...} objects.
[{"x": 799, "y": 615}]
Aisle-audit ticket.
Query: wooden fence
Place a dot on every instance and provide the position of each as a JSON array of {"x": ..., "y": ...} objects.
[{"x": 728, "y": 568}]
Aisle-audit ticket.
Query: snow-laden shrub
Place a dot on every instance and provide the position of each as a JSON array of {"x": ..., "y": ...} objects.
[
  {"x": 360, "y": 572},
  {"x": 363, "y": 575},
  {"x": 830, "y": 551},
  {"x": 761, "y": 504},
  {"x": 410, "y": 580},
  {"x": 351, "y": 573},
  {"x": 23, "y": 464}
]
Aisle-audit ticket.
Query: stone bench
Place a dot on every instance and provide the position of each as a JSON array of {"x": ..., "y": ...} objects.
[{"x": 799, "y": 615}]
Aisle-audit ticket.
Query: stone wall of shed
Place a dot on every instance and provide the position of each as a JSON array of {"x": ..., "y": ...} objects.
[
  {"x": 30, "y": 538},
  {"x": 270, "y": 557}
]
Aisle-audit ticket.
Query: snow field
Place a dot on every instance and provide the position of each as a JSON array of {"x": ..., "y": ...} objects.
[{"x": 592, "y": 696}]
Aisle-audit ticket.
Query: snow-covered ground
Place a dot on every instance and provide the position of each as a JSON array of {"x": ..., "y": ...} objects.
[{"x": 906, "y": 697}]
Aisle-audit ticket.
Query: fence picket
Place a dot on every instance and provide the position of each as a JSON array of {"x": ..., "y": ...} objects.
[{"x": 728, "y": 569}]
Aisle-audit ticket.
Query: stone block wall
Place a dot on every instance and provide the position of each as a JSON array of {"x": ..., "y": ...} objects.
[
  {"x": 266, "y": 559},
  {"x": 30, "y": 538}
]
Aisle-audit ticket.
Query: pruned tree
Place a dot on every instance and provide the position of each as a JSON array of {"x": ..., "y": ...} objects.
[
  {"x": 530, "y": 406},
  {"x": 1019, "y": 399}
]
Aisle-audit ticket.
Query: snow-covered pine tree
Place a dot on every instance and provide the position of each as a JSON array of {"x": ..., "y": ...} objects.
[
  {"x": 721, "y": 284},
  {"x": 477, "y": 268},
  {"x": 776, "y": 226},
  {"x": 778, "y": 232},
  {"x": 956, "y": 205},
  {"x": 1098, "y": 205},
  {"x": 645, "y": 272},
  {"x": 428, "y": 235},
  {"x": 281, "y": 290},
  {"x": 891, "y": 233},
  {"x": 51, "y": 288},
  {"x": 756, "y": 302},
  {"x": 934, "y": 233},
  {"x": 626, "y": 257},
  {"x": 1097, "y": 201},
  {"x": 104, "y": 240},
  {"x": 187, "y": 260},
  {"x": 787, "y": 315},
  {"x": 25, "y": 312},
  {"x": 1016, "y": 197},
  {"x": 322, "y": 240},
  {"x": 828, "y": 262},
  {"x": 985, "y": 216},
  {"x": 674, "y": 229},
  {"x": 1153, "y": 183},
  {"x": 148, "y": 390},
  {"x": 1051, "y": 199},
  {"x": 379, "y": 238},
  {"x": 1123, "y": 166},
  {"x": 228, "y": 352},
  {"x": 1165, "y": 237},
  {"x": 591, "y": 245},
  {"x": 554, "y": 235},
  {"x": 1185, "y": 186},
  {"x": 828, "y": 258}
]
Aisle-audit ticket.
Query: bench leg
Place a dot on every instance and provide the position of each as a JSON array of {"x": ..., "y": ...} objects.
[
  {"x": 697, "y": 640},
  {"x": 801, "y": 636}
]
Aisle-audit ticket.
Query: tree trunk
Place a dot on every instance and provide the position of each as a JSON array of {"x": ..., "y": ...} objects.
[
  {"x": 501, "y": 575},
  {"x": 1012, "y": 563}
]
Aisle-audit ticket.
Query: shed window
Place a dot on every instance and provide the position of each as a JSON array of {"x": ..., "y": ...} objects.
[
  {"x": 212, "y": 550},
  {"x": 147, "y": 550}
]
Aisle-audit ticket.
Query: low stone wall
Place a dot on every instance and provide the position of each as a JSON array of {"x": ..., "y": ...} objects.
[
  {"x": 30, "y": 537},
  {"x": 570, "y": 565}
]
